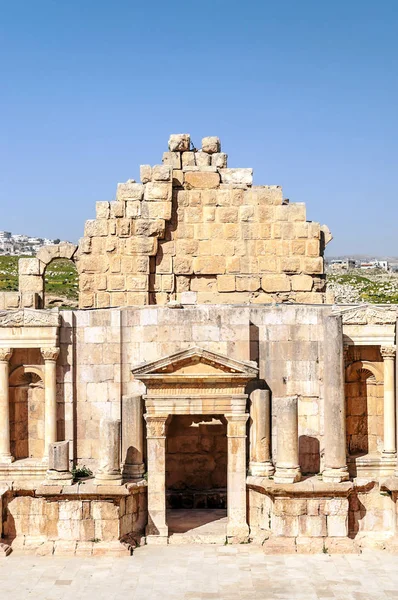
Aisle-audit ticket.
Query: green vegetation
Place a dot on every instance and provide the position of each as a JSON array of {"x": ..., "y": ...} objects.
[
  {"x": 377, "y": 287},
  {"x": 81, "y": 472}
]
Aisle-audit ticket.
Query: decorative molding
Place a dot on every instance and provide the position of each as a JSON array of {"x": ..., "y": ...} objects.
[
  {"x": 156, "y": 426},
  {"x": 5, "y": 354},
  {"x": 26, "y": 375},
  {"x": 367, "y": 314},
  {"x": 364, "y": 370},
  {"x": 29, "y": 318},
  {"x": 388, "y": 351},
  {"x": 50, "y": 353}
]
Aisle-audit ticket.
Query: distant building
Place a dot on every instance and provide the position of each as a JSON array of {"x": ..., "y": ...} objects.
[
  {"x": 342, "y": 264},
  {"x": 375, "y": 264},
  {"x": 22, "y": 245}
]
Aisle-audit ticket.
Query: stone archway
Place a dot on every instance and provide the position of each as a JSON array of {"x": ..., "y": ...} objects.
[
  {"x": 31, "y": 273},
  {"x": 196, "y": 382}
]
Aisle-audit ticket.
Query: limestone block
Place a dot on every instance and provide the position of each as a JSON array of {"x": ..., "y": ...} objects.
[
  {"x": 298, "y": 247},
  {"x": 124, "y": 227},
  {"x": 86, "y": 300},
  {"x": 179, "y": 142},
  {"x": 149, "y": 227},
  {"x": 219, "y": 160},
  {"x": 188, "y": 159},
  {"x": 209, "y": 265},
  {"x": 302, "y": 283},
  {"x": 327, "y": 234},
  {"x": 30, "y": 266},
  {"x": 173, "y": 159},
  {"x": 182, "y": 265},
  {"x": 279, "y": 545},
  {"x": 145, "y": 173},
  {"x": 161, "y": 173},
  {"x": 31, "y": 283},
  {"x": 247, "y": 284},
  {"x": 157, "y": 191},
  {"x": 312, "y": 526},
  {"x": 129, "y": 191},
  {"x": 312, "y": 265},
  {"x": 268, "y": 264},
  {"x": 157, "y": 210},
  {"x": 102, "y": 210},
  {"x": 314, "y": 230},
  {"x": 336, "y": 506},
  {"x": 227, "y": 214},
  {"x": 312, "y": 248},
  {"x": 188, "y": 297},
  {"x": 226, "y": 283},
  {"x": 200, "y": 179},
  {"x": 237, "y": 176},
  {"x": 137, "y": 282},
  {"x": 141, "y": 245},
  {"x": 202, "y": 159},
  {"x": 26, "y": 300},
  {"x": 286, "y": 526},
  {"x": 103, "y": 300},
  {"x": 85, "y": 244},
  {"x": 97, "y": 228},
  {"x": 290, "y": 265},
  {"x": 117, "y": 209},
  {"x": 309, "y": 545},
  {"x": 58, "y": 456},
  {"x": 133, "y": 209},
  {"x": 337, "y": 525},
  {"x": 275, "y": 283},
  {"x": 116, "y": 282},
  {"x": 297, "y": 211},
  {"x": 233, "y": 264},
  {"x": 289, "y": 506},
  {"x": 211, "y": 144},
  {"x": 178, "y": 177}
]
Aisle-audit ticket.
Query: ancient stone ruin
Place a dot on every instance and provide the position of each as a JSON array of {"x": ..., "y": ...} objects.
[{"x": 207, "y": 390}]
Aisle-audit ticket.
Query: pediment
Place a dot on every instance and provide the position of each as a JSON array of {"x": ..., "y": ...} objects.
[
  {"x": 367, "y": 314},
  {"x": 195, "y": 363}
]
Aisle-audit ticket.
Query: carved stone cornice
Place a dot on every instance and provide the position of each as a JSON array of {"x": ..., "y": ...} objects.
[
  {"x": 388, "y": 351},
  {"x": 367, "y": 314},
  {"x": 156, "y": 426},
  {"x": 26, "y": 317},
  {"x": 50, "y": 354},
  {"x": 5, "y": 354}
]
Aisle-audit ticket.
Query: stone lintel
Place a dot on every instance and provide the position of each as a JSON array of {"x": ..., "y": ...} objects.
[{"x": 311, "y": 486}]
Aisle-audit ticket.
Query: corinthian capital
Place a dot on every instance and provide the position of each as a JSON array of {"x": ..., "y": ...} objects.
[
  {"x": 388, "y": 351},
  {"x": 5, "y": 354},
  {"x": 156, "y": 426},
  {"x": 50, "y": 353}
]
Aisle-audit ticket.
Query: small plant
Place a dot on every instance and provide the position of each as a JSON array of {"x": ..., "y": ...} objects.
[
  {"x": 145, "y": 476},
  {"x": 80, "y": 472},
  {"x": 325, "y": 550},
  {"x": 95, "y": 540}
]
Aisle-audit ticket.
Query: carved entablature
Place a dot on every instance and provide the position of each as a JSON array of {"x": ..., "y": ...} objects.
[
  {"x": 29, "y": 328},
  {"x": 26, "y": 317},
  {"x": 368, "y": 324},
  {"x": 195, "y": 381}
]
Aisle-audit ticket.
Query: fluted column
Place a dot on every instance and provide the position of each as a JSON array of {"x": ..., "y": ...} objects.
[
  {"x": 260, "y": 434},
  {"x": 5, "y": 448},
  {"x": 157, "y": 530},
  {"x": 287, "y": 459},
  {"x": 388, "y": 354},
  {"x": 50, "y": 356},
  {"x": 236, "y": 477},
  {"x": 133, "y": 437},
  {"x": 335, "y": 470}
]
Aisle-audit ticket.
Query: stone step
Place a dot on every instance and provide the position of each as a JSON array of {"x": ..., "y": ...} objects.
[{"x": 180, "y": 539}]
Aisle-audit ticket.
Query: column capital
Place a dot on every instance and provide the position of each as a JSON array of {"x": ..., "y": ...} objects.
[
  {"x": 236, "y": 425},
  {"x": 5, "y": 354},
  {"x": 388, "y": 351},
  {"x": 50, "y": 354},
  {"x": 156, "y": 425}
]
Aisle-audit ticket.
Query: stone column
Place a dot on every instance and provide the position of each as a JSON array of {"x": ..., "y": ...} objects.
[
  {"x": 156, "y": 530},
  {"x": 58, "y": 464},
  {"x": 108, "y": 472},
  {"x": 133, "y": 437},
  {"x": 287, "y": 459},
  {"x": 388, "y": 354},
  {"x": 50, "y": 356},
  {"x": 335, "y": 469},
  {"x": 260, "y": 434},
  {"x": 5, "y": 448},
  {"x": 236, "y": 480}
]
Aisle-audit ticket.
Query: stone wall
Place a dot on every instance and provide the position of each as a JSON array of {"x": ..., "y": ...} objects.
[{"x": 195, "y": 231}]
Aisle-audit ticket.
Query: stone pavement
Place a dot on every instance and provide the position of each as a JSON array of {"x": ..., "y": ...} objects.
[{"x": 201, "y": 573}]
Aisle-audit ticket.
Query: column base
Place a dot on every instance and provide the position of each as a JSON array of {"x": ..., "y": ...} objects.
[
  {"x": 6, "y": 459},
  {"x": 386, "y": 454},
  {"x": 335, "y": 475},
  {"x": 131, "y": 471},
  {"x": 287, "y": 474},
  {"x": 261, "y": 469},
  {"x": 238, "y": 532},
  {"x": 58, "y": 478},
  {"x": 108, "y": 479}
]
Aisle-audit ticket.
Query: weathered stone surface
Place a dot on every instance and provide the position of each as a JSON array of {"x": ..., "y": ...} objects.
[
  {"x": 179, "y": 142},
  {"x": 198, "y": 179},
  {"x": 237, "y": 176},
  {"x": 211, "y": 144}
]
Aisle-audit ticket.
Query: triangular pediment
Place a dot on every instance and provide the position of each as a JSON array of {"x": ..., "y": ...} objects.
[
  {"x": 197, "y": 362},
  {"x": 367, "y": 314}
]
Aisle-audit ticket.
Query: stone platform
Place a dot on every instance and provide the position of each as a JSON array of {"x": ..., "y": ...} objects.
[{"x": 197, "y": 526}]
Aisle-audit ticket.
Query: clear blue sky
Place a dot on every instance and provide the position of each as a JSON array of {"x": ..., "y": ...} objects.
[{"x": 304, "y": 91}]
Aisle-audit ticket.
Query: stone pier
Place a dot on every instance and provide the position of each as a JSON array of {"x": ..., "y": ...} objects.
[{"x": 157, "y": 530}]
